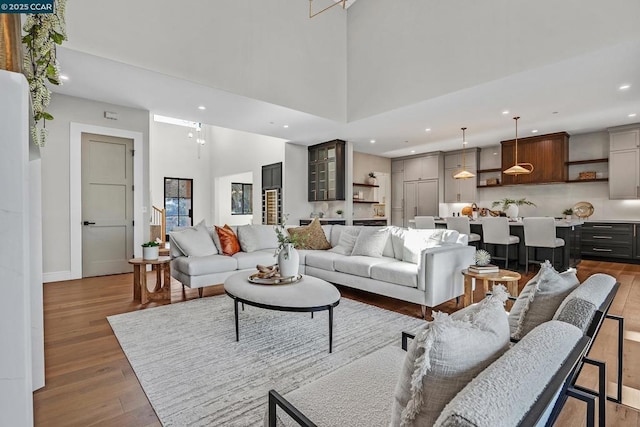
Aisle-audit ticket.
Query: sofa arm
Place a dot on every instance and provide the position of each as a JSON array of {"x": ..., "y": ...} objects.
[
  {"x": 275, "y": 400},
  {"x": 439, "y": 272}
]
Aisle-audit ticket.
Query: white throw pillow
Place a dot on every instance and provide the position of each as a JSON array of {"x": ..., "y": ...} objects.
[
  {"x": 256, "y": 237},
  {"x": 445, "y": 356},
  {"x": 371, "y": 243},
  {"x": 346, "y": 242},
  {"x": 417, "y": 240},
  {"x": 540, "y": 299},
  {"x": 195, "y": 241}
]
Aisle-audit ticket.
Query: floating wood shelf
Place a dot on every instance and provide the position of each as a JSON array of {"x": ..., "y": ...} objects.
[
  {"x": 488, "y": 186},
  {"x": 489, "y": 170},
  {"x": 586, "y": 162},
  {"x": 358, "y": 184},
  {"x": 588, "y": 180},
  {"x": 364, "y": 201}
]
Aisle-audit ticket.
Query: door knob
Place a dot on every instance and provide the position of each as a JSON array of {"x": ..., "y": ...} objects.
[{"x": 88, "y": 223}]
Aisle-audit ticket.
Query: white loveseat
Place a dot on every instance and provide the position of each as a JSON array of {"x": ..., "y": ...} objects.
[{"x": 432, "y": 279}]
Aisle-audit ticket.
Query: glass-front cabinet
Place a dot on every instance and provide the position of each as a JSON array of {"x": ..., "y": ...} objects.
[{"x": 327, "y": 171}]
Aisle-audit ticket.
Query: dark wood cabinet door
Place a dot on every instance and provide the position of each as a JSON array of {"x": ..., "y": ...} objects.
[
  {"x": 547, "y": 153},
  {"x": 326, "y": 171}
]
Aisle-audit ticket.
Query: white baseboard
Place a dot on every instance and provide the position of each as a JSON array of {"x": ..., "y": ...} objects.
[{"x": 56, "y": 276}]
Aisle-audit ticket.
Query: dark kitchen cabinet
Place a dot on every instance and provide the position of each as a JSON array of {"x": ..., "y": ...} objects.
[{"x": 326, "y": 174}]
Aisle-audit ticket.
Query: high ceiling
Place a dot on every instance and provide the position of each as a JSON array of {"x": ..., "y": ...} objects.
[{"x": 578, "y": 94}]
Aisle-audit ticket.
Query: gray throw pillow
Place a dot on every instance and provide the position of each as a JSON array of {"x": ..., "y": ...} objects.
[
  {"x": 540, "y": 298},
  {"x": 346, "y": 242},
  {"x": 194, "y": 241},
  {"x": 256, "y": 237},
  {"x": 371, "y": 243},
  {"x": 445, "y": 356}
]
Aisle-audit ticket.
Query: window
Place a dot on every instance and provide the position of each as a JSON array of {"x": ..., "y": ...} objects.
[
  {"x": 241, "y": 195},
  {"x": 178, "y": 203}
]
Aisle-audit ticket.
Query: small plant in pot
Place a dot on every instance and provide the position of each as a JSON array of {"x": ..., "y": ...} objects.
[
  {"x": 150, "y": 250},
  {"x": 510, "y": 206},
  {"x": 567, "y": 213}
]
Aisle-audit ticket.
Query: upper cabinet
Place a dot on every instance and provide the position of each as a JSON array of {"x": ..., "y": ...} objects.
[
  {"x": 419, "y": 168},
  {"x": 624, "y": 163},
  {"x": 547, "y": 153},
  {"x": 460, "y": 190},
  {"x": 327, "y": 171}
]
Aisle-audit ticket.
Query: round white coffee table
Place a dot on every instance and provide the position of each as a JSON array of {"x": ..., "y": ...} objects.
[{"x": 310, "y": 294}]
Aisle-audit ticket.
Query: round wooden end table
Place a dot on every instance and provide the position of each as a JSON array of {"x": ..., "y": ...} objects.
[
  {"x": 507, "y": 277},
  {"x": 162, "y": 290}
]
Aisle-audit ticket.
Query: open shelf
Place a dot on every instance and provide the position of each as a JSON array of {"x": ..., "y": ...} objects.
[
  {"x": 588, "y": 180},
  {"x": 488, "y": 186},
  {"x": 586, "y": 162},
  {"x": 489, "y": 170},
  {"x": 359, "y": 184},
  {"x": 364, "y": 201}
]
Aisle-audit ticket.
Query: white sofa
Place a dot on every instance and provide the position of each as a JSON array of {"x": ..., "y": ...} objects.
[{"x": 433, "y": 280}]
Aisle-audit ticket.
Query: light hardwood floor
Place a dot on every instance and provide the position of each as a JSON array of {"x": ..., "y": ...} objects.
[{"x": 90, "y": 382}]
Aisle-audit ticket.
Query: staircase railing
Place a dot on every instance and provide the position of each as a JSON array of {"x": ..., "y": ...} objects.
[{"x": 158, "y": 224}]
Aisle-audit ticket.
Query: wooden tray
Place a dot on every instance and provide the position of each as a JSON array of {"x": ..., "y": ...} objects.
[{"x": 274, "y": 280}]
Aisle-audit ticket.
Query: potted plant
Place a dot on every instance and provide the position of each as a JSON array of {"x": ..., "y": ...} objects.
[
  {"x": 567, "y": 213},
  {"x": 150, "y": 250},
  {"x": 510, "y": 206},
  {"x": 371, "y": 180},
  {"x": 288, "y": 257},
  {"x": 339, "y": 213}
]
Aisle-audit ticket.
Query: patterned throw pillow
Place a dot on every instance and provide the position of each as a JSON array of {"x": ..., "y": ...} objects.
[
  {"x": 310, "y": 236},
  {"x": 228, "y": 240},
  {"x": 371, "y": 243}
]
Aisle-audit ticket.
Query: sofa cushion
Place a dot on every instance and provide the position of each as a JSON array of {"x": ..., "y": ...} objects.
[
  {"x": 310, "y": 236},
  {"x": 257, "y": 237},
  {"x": 228, "y": 240},
  {"x": 523, "y": 371},
  {"x": 540, "y": 298},
  {"x": 397, "y": 272},
  {"x": 346, "y": 241},
  {"x": 417, "y": 240},
  {"x": 445, "y": 355},
  {"x": 251, "y": 259},
  {"x": 199, "y": 266},
  {"x": 396, "y": 236},
  {"x": 302, "y": 254},
  {"x": 194, "y": 241},
  {"x": 371, "y": 242},
  {"x": 323, "y": 259},
  {"x": 336, "y": 231},
  {"x": 358, "y": 265},
  {"x": 582, "y": 303}
]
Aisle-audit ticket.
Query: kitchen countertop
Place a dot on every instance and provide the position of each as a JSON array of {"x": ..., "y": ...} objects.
[
  {"x": 559, "y": 222},
  {"x": 615, "y": 221}
]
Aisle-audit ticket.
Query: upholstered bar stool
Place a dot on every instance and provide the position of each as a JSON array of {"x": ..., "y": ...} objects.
[
  {"x": 425, "y": 222},
  {"x": 495, "y": 231},
  {"x": 540, "y": 232},
  {"x": 461, "y": 225}
]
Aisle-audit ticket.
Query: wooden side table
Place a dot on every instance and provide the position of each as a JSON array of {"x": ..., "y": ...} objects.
[
  {"x": 508, "y": 277},
  {"x": 162, "y": 290}
]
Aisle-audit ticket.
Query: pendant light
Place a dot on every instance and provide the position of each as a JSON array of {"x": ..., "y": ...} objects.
[
  {"x": 518, "y": 168},
  {"x": 464, "y": 173}
]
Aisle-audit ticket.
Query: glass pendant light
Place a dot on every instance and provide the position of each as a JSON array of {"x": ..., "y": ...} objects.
[{"x": 464, "y": 173}]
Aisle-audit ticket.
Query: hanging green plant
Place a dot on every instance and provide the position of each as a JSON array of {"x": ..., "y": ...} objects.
[{"x": 42, "y": 32}]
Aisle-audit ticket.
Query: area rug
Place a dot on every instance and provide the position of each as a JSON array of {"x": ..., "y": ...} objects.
[{"x": 195, "y": 373}]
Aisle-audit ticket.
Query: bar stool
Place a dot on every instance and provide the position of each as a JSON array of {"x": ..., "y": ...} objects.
[
  {"x": 461, "y": 225},
  {"x": 540, "y": 232},
  {"x": 495, "y": 231},
  {"x": 425, "y": 222}
]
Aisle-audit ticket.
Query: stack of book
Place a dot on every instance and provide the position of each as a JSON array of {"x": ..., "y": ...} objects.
[{"x": 484, "y": 269}]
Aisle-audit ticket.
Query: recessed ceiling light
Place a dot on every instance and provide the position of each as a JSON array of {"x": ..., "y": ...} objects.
[
  {"x": 505, "y": 112},
  {"x": 413, "y": 151},
  {"x": 632, "y": 115},
  {"x": 427, "y": 130},
  {"x": 373, "y": 141},
  {"x": 624, "y": 87},
  {"x": 285, "y": 126},
  {"x": 202, "y": 107},
  {"x": 534, "y": 131},
  {"x": 63, "y": 77}
]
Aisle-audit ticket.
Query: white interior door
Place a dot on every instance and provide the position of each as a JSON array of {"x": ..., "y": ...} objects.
[{"x": 107, "y": 204}]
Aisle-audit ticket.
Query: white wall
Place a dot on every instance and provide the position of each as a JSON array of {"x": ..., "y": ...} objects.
[
  {"x": 295, "y": 184},
  {"x": 56, "y": 181},
  {"x": 363, "y": 164},
  {"x": 172, "y": 154},
  {"x": 247, "y": 47},
  {"x": 223, "y": 200},
  {"x": 234, "y": 152},
  {"x": 552, "y": 199},
  {"x": 429, "y": 46}
]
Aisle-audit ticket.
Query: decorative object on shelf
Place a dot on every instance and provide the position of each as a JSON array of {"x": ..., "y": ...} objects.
[
  {"x": 150, "y": 250},
  {"x": 43, "y": 31},
  {"x": 378, "y": 209},
  {"x": 339, "y": 212},
  {"x": 587, "y": 175},
  {"x": 464, "y": 173},
  {"x": 493, "y": 181},
  {"x": 312, "y": 14},
  {"x": 510, "y": 206},
  {"x": 10, "y": 42},
  {"x": 288, "y": 257},
  {"x": 583, "y": 210},
  {"x": 518, "y": 168},
  {"x": 371, "y": 180},
  {"x": 567, "y": 213},
  {"x": 482, "y": 258}
]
